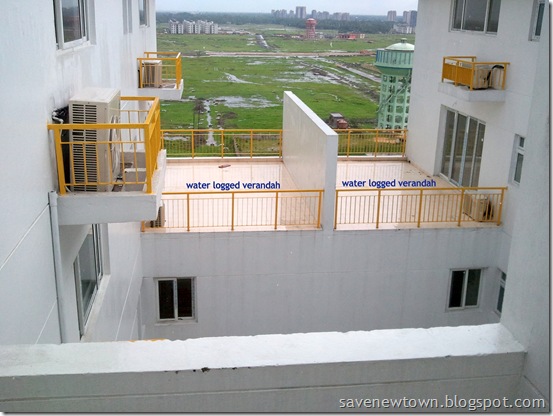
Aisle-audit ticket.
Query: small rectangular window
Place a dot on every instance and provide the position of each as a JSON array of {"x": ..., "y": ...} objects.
[
  {"x": 518, "y": 159},
  {"x": 501, "y": 294},
  {"x": 70, "y": 22},
  {"x": 143, "y": 12},
  {"x": 175, "y": 298},
  {"x": 88, "y": 268},
  {"x": 537, "y": 19},
  {"x": 464, "y": 288}
]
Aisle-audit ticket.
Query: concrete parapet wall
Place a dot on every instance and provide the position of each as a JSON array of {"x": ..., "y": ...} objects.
[{"x": 297, "y": 372}]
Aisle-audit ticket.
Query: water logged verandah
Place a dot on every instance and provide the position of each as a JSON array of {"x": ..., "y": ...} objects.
[{"x": 260, "y": 195}]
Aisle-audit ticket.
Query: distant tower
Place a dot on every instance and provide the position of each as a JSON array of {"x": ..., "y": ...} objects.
[
  {"x": 396, "y": 64},
  {"x": 310, "y": 29}
]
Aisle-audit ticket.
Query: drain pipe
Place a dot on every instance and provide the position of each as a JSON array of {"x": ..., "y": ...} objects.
[{"x": 58, "y": 272}]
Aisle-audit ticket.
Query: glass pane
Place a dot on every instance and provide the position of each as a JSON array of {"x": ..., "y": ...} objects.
[
  {"x": 88, "y": 272},
  {"x": 499, "y": 306},
  {"x": 71, "y": 15},
  {"x": 521, "y": 142},
  {"x": 473, "y": 286},
  {"x": 493, "y": 16},
  {"x": 475, "y": 15},
  {"x": 458, "y": 150},
  {"x": 458, "y": 14},
  {"x": 142, "y": 11},
  {"x": 537, "y": 31},
  {"x": 166, "y": 299},
  {"x": 456, "y": 290},
  {"x": 448, "y": 140},
  {"x": 518, "y": 167},
  {"x": 470, "y": 152},
  {"x": 503, "y": 276},
  {"x": 478, "y": 155},
  {"x": 184, "y": 296}
]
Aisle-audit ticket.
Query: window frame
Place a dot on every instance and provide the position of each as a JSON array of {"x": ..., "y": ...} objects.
[
  {"x": 501, "y": 293},
  {"x": 143, "y": 13},
  {"x": 95, "y": 234},
  {"x": 538, "y": 13},
  {"x": 462, "y": 19},
  {"x": 471, "y": 149},
  {"x": 518, "y": 154},
  {"x": 83, "y": 22},
  {"x": 176, "y": 317},
  {"x": 463, "y": 305}
]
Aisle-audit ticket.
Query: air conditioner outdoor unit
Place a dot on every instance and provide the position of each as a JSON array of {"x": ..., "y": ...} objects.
[
  {"x": 159, "y": 222},
  {"x": 151, "y": 74},
  {"x": 481, "y": 76},
  {"x": 478, "y": 207},
  {"x": 95, "y": 154}
]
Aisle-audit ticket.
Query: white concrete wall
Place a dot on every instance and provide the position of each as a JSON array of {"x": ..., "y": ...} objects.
[
  {"x": 284, "y": 282},
  {"x": 309, "y": 152},
  {"x": 274, "y": 373},
  {"x": 36, "y": 79},
  {"x": 503, "y": 120},
  {"x": 527, "y": 298}
]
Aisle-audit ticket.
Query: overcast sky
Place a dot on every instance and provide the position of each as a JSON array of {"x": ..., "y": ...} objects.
[{"x": 363, "y": 7}]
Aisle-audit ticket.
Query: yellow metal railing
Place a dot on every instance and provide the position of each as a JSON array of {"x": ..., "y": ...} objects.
[
  {"x": 268, "y": 142},
  {"x": 465, "y": 70},
  {"x": 418, "y": 206},
  {"x": 160, "y": 70},
  {"x": 101, "y": 157},
  {"x": 222, "y": 143},
  {"x": 240, "y": 209},
  {"x": 371, "y": 142}
]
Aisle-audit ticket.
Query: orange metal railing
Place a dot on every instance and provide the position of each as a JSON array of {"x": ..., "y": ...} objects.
[
  {"x": 222, "y": 143},
  {"x": 418, "y": 206},
  {"x": 266, "y": 142},
  {"x": 160, "y": 70},
  {"x": 110, "y": 156},
  {"x": 234, "y": 210},
  {"x": 372, "y": 142},
  {"x": 465, "y": 70}
]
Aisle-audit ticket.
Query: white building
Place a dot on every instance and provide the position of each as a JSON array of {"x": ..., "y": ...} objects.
[{"x": 295, "y": 320}]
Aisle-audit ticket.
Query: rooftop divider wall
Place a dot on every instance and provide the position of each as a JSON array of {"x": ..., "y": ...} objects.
[{"x": 309, "y": 152}]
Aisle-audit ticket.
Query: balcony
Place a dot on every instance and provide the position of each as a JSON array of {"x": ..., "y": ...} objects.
[
  {"x": 308, "y": 177},
  {"x": 160, "y": 75},
  {"x": 465, "y": 78},
  {"x": 111, "y": 172}
]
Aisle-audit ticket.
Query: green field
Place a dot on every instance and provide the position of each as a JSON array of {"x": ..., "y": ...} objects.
[{"x": 246, "y": 92}]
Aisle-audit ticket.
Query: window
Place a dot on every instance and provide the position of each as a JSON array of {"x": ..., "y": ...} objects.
[
  {"x": 501, "y": 294},
  {"x": 462, "y": 153},
  {"x": 476, "y": 15},
  {"x": 175, "y": 298},
  {"x": 88, "y": 267},
  {"x": 143, "y": 12},
  {"x": 537, "y": 19},
  {"x": 127, "y": 16},
  {"x": 71, "y": 22},
  {"x": 518, "y": 159},
  {"x": 464, "y": 289}
]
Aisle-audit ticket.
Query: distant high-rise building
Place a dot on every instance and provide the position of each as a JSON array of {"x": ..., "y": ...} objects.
[
  {"x": 411, "y": 18},
  {"x": 392, "y": 15},
  {"x": 301, "y": 12},
  {"x": 405, "y": 16},
  {"x": 314, "y": 14}
]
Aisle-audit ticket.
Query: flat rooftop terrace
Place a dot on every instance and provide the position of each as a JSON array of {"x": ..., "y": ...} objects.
[{"x": 260, "y": 194}]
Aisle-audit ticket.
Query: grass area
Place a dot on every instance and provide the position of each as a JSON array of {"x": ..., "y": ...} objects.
[{"x": 247, "y": 92}]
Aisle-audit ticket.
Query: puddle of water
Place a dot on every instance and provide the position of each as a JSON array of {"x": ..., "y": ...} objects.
[{"x": 242, "y": 102}]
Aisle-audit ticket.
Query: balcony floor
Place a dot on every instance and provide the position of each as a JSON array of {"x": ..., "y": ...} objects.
[{"x": 182, "y": 173}]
